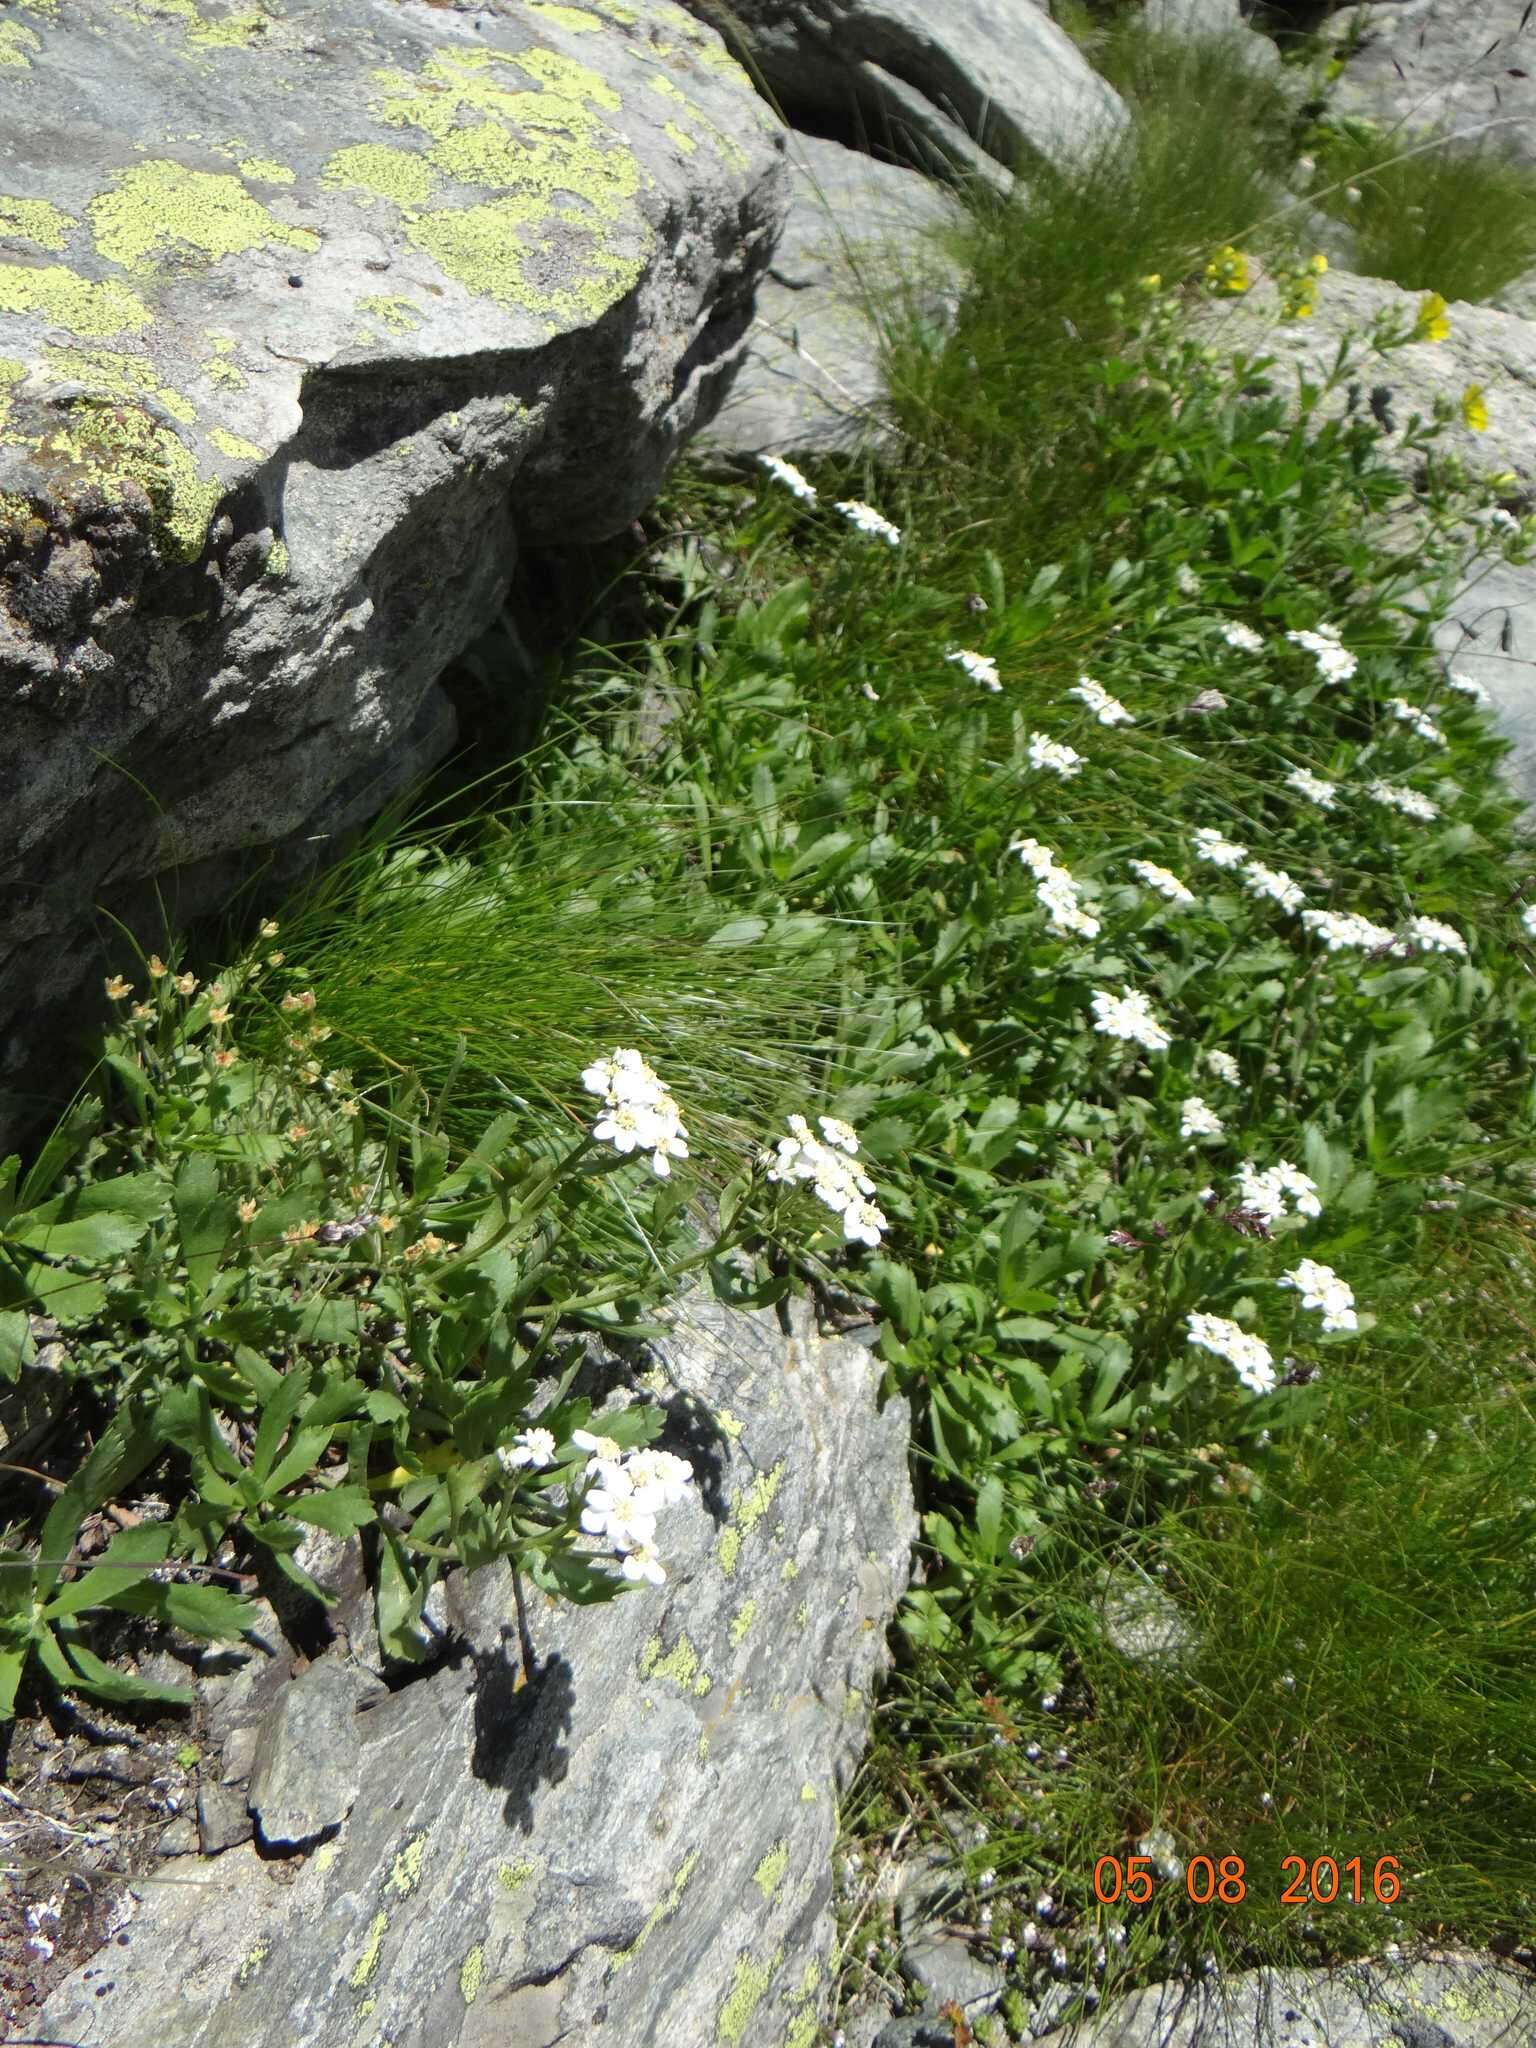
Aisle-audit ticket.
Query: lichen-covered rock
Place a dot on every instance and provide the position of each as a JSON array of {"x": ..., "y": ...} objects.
[
  {"x": 911, "y": 73},
  {"x": 628, "y": 1839},
  {"x": 305, "y": 316},
  {"x": 1463, "y": 66}
]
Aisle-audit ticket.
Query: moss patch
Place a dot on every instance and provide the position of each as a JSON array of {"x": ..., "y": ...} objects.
[
  {"x": 161, "y": 208},
  {"x": 112, "y": 443}
]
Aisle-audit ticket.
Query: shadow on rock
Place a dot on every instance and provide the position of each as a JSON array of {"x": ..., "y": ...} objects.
[{"x": 520, "y": 1726}]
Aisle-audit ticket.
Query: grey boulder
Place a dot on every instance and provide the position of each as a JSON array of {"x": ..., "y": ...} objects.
[
  {"x": 1466, "y": 66},
  {"x": 306, "y": 317},
  {"x": 627, "y": 1838}
]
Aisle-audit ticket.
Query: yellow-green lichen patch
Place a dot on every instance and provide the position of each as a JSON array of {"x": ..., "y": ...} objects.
[
  {"x": 471, "y": 1972},
  {"x": 575, "y": 21},
  {"x": 728, "y": 1423},
  {"x": 276, "y": 563},
  {"x": 48, "y": 7},
  {"x": 811, "y": 1979},
  {"x": 790, "y": 1571},
  {"x": 802, "y": 1614},
  {"x": 807, "y": 1795},
  {"x": 741, "y": 1622},
  {"x": 113, "y": 442},
  {"x": 265, "y": 170},
  {"x": 112, "y": 374},
  {"x": 702, "y": 1684},
  {"x": 481, "y": 247},
  {"x": 681, "y": 1664},
  {"x": 363, "y": 2011},
  {"x": 668, "y": 1906},
  {"x": 253, "y": 1959},
  {"x": 725, "y": 145},
  {"x": 368, "y": 1961},
  {"x": 163, "y": 209},
  {"x": 680, "y": 138},
  {"x": 513, "y": 1876},
  {"x": 220, "y": 370},
  {"x": 235, "y": 445},
  {"x": 405, "y": 1872},
  {"x": 745, "y": 1995},
  {"x": 803, "y": 2029},
  {"x": 382, "y": 169},
  {"x": 35, "y": 221},
  {"x": 15, "y": 41},
  {"x": 71, "y": 302},
  {"x": 11, "y": 372},
  {"x": 759, "y": 1498},
  {"x": 769, "y": 1874},
  {"x": 226, "y": 32},
  {"x": 397, "y": 314},
  {"x": 729, "y": 1548},
  {"x": 702, "y": 1749}
]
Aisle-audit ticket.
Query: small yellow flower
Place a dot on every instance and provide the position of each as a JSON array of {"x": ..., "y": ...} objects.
[
  {"x": 1152, "y": 281},
  {"x": 318, "y": 1032},
  {"x": 218, "y": 1014},
  {"x": 1228, "y": 269},
  {"x": 267, "y": 928},
  {"x": 424, "y": 1247},
  {"x": 385, "y": 1222},
  {"x": 1319, "y": 265},
  {"x": 310, "y": 1070},
  {"x": 296, "y": 1132},
  {"x": 226, "y": 1058},
  {"x": 157, "y": 967},
  {"x": 299, "y": 1232},
  {"x": 248, "y": 1209},
  {"x": 1431, "y": 325},
  {"x": 1473, "y": 410},
  {"x": 276, "y": 959},
  {"x": 349, "y": 1107},
  {"x": 185, "y": 984},
  {"x": 117, "y": 988},
  {"x": 357, "y": 1191},
  {"x": 140, "y": 1011}
]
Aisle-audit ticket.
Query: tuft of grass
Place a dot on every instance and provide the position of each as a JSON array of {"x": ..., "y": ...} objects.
[{"x": 1433, "y": 213}]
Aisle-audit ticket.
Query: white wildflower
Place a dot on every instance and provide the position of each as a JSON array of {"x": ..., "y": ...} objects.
[
  {"x": 1528, "y": 919},
  {"x": 1339, "y": 928},
  {"x": 1422, "y": 724},
  {"x": 641, "y": 1562},
  {"x": 1045, "y": 752},
  {"x": 836, "y": 1132},
  {"x": 1265, "y": 1192},
  {"x": 657, "y": 1479},
  {"x": 1159, "y": 1845},
  {"x": 1320, "y": 1287},
  {"x": 1313, "y": 786},
  {"x": 1221, "y": 853},
  {"x": 1467, "y": 687},
  {"x": 604, "y": 1450},
  {"x": 1108, "y": 710},
  {"x": 1037, "y": 858},
  {"x": 1198, "y": 1120},
  {"x": 1057, "y": 890},
  {"x": 786, "y": 474},
  {"x": 1335, "y": 663},
  {"x": 640, "y": 1115},
  {"x": 1254, "y": 1364},
  {"x": 1429, "y": 934},
  {"x": 869, "y": 521},
  {"x": 1187, "y": 580},
  {"x": 1274, "y": 882},
  {"x": 1162, "y": 881},
  {"x": 981, "y": 668},
  {"x": 1223, "y": 1066},
  {"x": 615, "y": 1514},
  {"x": 1243, "y": 638},
  {"x": 529, "y": 1448},
  {"x": 1129, "y": 1016},
  {"x": 832, "y": 1176},
  {"x": 1408, "y": 801}
]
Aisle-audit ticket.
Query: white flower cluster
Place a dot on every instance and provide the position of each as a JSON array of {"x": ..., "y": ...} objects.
[
  {"x": 1340, "y": 928},
  {"x": 1335, "y": 663},
  {"x": 1198, "y": 1120},
  {"x": 1322, "y": 793},
  {"x": 1129, "y": 1016},
  {"x": 981, "y": 668},
  {"x": 1223, "y": 1066},
  {"x": 631, "y": 1491},
  {"x": 1320, "y": 1287},
  {"x": 1187, "y": 579},
  {"x": 640, "y": 1115},
  {"x": 1045, "y": 752},
  {"x": 1408, "y": 801},
  {"x": 844, "y": 1189},
  {"x": 1431, "y": 936},
  {"x": 1274, "y": 882},
  {"x": 1057, "y": 891},
  {"x": 869, "y": 521},
  {"x": 1108, "y": 710},
  {"x": 530, "y": 1449},
  {"x": 785, "y": 473},
  {"x": 1243, "y": 638},
  {"x": 1249, "y": 1354},
  {"x": 1528, "y": 918},
  {"x": 1160, "y": 879},
  {"x": 1221, "y": 853},
  {"x": 1468, "y": 688},
  {"x": 1421, "y": 722},
  {"x": 1265, "y": 1192}
]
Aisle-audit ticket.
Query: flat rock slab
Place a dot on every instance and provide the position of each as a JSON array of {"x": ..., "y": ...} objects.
[
  {"x": 305, "y": 317},
  {"x": 630, "y": 1839},
  {"x": 1452, "y": 2001},
  {"x": 1464, "y": 65},
  {"x": 810, "y": 383},
  {"x": 304, "y": 1775}
]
